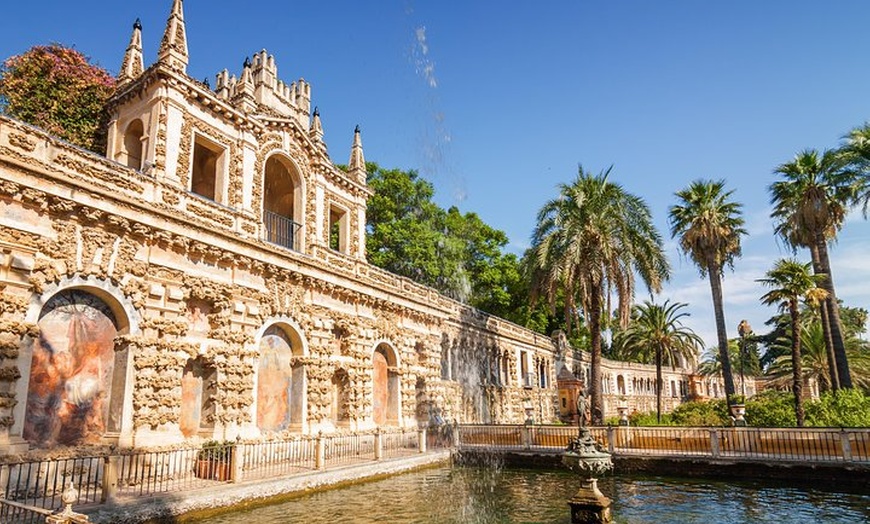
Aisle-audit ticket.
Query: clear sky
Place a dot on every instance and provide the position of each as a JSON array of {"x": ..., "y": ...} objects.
[{"x": 497, "y": 102}]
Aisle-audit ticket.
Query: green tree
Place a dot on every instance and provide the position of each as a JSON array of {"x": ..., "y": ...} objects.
[
  {"x": 593, "y": 238},
  {"x": 656, "y": 333},
  {"x": 709, "y": 226},
  {"x": 809, "y": 206},
  {"x": 790, "y": 282},
  {"x": 58, "y": 89},
  {"x": 457, "y": 254}
]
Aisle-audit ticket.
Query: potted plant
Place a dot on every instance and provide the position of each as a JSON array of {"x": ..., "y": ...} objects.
[{"x": 215, "y": 461}]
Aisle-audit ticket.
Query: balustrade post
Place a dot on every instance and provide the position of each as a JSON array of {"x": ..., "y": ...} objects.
[
  {"x": 455, "y": 435},
  {"x": 846, "y": 445},
  {"x": 526, "y": 433},
  {"x": 110, "y": 479},
  {"x": 236, "y": 463},
  {"x": 421, "y": 440},
  {"x": 611, "y": 438},
  {"x": 714, "y": 442},
  {"x": 379, "y": 445},
  {"x": 320, "y": 454}
]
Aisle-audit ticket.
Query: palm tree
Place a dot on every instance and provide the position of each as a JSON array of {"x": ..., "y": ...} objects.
[
  {"x": 857, "y": 153},
  {"x": 593, "y": 238},
  {"x": 656, "y": 333},
  {"x": 809, "y": 207},
  {"x": 814, "y": 362},
  {"x": 710, "y": 226},
  {"x": 792, "y": 281}
]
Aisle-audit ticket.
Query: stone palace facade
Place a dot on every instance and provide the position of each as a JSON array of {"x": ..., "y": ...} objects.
[{"x": 207, "y": 279}]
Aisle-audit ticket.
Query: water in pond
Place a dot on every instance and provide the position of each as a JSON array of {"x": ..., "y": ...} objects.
[{"x": 483, "y": 496}]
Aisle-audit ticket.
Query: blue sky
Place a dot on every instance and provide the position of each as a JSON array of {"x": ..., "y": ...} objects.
[{"x": 497, "y": 102}]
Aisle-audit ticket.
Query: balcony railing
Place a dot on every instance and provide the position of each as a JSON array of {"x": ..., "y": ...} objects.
[{"x": 281, "y": 230}]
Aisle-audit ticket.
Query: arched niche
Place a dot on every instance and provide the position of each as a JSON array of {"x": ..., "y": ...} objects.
[
  {"x": 385, "y": 385},
  {"x": 198, "y": 380},
  {"x": 283, "y": 204},
  {"x": 281, "y": 381},
  {"x": 77, "y": 378},
  {"x": 339, "y": 401}
]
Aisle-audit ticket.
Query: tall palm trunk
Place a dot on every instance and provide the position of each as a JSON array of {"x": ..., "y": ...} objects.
[
  {"x": 826, "y": 326},
  {"x": 834, "y": 315},
  {"x": 597, "y": 402},
  {"x": 797, "y": 373},
  {"x": 716, "y": 288},
  {"x": 659, "y": 385}
]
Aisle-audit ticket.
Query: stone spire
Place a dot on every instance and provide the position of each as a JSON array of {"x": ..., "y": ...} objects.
[
  {"x": 173, "y": 47},
  {"x": 316, "y": 130},
  {"x": 132, "y": 66},
  {"x": 357, "y": 163}
]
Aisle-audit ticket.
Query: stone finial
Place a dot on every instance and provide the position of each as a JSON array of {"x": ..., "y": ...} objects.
[
  {"x": 133, "y": 65},
  {"x": 316, "y": 129},
  {"x": 173, "y": 47},
  {"x": 243, "y": 91},
  {"x": 357, "y": 163}
]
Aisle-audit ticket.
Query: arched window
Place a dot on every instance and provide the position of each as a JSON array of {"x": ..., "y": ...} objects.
[
  {"x": 280, "y": 380},
  {"x": 133, "y": 144},
  {"x": 77, "y": 379},
  {"x": 282, "y": 203},
  {"x": 620, "y": 384},
  {"x": 197, "y": 402},
  {"x": 385, "y": 386}
]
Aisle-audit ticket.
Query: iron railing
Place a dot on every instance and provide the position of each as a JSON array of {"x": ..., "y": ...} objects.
[
  {"x": 281, "y": 230},
  {"x": 278, "y": 458},
  {"x": 399, "y": 444},
  {"x": 823, "y": 445},
  {"x": 27, "y": 488},
  {"x": 17, "y": 513}
]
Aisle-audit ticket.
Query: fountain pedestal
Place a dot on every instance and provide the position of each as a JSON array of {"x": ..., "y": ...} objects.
[{"x": 588, "y": 505}]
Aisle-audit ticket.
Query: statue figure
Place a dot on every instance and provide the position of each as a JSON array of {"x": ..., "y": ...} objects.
[{"x": 582, "y": 403}]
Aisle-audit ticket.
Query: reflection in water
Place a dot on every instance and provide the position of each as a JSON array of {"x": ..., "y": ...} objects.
[{"x": 483, "y": 496}]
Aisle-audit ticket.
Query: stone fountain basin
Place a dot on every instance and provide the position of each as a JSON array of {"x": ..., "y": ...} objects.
[{"x": 588, "y": 463}]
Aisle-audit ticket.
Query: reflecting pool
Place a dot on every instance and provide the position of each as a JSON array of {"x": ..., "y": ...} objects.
[{"x": 502, "y": 495}]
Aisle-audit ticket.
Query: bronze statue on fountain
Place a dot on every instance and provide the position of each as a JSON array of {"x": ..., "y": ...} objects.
[{"x": 586, "y": 457}]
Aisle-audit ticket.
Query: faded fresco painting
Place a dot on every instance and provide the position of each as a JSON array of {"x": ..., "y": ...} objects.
[
  {"x": 274, "y": 381},
  {"x": 71, "y": 371},
  {"x": 191, "y": 398},
  {"x": 380, "y": 388}
]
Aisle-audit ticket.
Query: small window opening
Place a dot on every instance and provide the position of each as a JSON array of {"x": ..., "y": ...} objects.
[
  {"x": 338, "y": 229},
  {"x": 206, "y": 179}
]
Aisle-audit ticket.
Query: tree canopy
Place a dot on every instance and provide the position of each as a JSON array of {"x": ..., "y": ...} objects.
[
  {"x": 456, "y": 253},
  {"x": 58, "y": 89}
]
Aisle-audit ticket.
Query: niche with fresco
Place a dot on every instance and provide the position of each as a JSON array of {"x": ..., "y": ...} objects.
[
  {"x": 76, "y": 384},
  {"x": 280, "y": 381}
]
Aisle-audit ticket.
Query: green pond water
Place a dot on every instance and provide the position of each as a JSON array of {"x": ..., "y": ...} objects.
[{"x": 502, "y": 495}]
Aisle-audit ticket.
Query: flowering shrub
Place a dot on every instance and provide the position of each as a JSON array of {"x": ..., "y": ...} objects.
[{"x": 58, "y": 89}]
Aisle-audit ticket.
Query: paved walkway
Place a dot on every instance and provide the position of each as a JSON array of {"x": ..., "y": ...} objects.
[{"x": 132, "y": 510}]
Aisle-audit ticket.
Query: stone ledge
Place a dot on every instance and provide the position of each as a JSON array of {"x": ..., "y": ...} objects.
[{"x": 226, "y": 497}]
